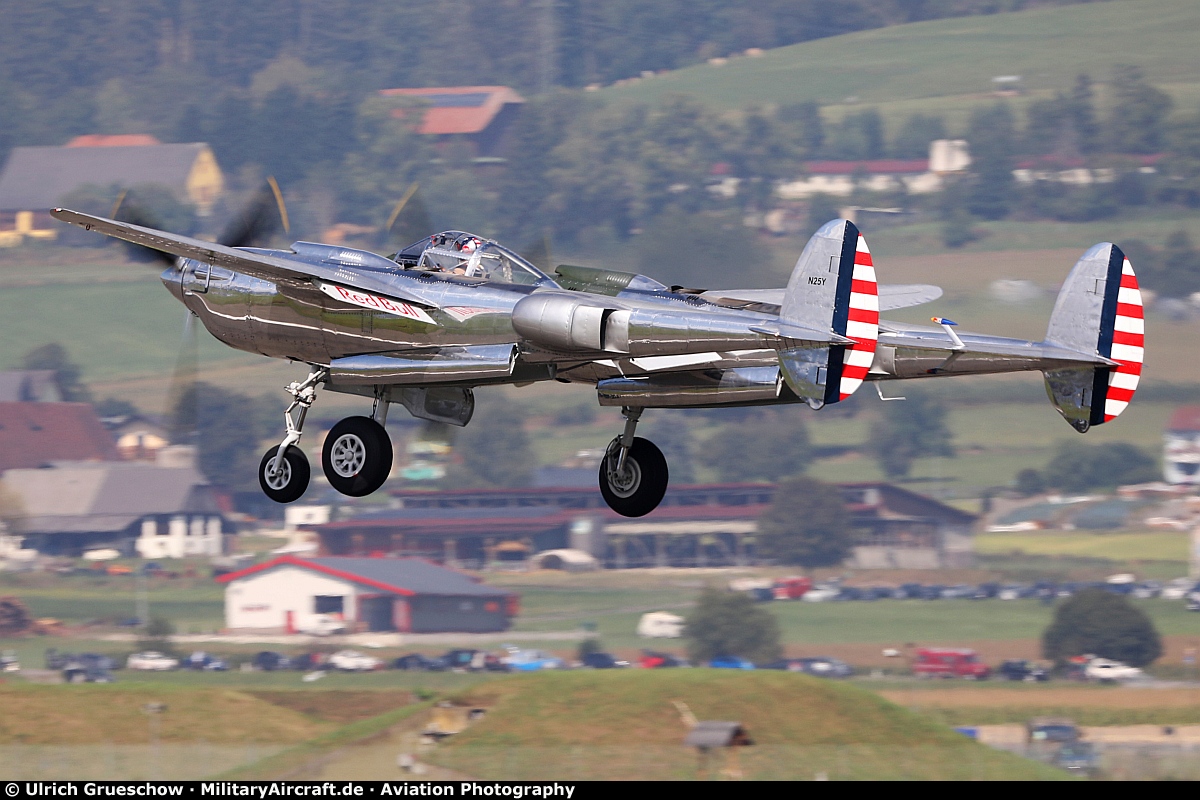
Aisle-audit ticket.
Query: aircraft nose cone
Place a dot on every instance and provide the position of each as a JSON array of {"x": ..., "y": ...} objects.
[{"x": 172, "y": 278}]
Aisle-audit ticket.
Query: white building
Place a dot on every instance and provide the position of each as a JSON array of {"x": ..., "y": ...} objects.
[
  {"x": 1181, "y": 457},
  {"x": 917, "y": 176},
  {"x": 156, "y": 512},
  {"x": 374, "y": 594}
]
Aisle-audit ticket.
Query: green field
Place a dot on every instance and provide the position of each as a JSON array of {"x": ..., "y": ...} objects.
[
  {"x": 1150, "y": 546},
  {"x": 946, "y": 66}
]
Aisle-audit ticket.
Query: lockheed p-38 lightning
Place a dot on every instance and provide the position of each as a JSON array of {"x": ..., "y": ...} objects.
[{"x": 455, "y": 311}]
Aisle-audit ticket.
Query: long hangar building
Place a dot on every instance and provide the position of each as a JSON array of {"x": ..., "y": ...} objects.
[{"x": 409, "y": 595}]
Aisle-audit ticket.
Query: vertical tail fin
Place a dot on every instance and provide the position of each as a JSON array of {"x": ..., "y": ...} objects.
[
  {"x": 1098, "y": 311},
  {"x": 832, "y": 288}
]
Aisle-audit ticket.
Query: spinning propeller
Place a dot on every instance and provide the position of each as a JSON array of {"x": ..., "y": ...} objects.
[{"x": 254, "y": 224}]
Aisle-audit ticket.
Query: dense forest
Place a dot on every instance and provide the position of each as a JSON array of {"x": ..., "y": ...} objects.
[{"x": 75, "y": 66}]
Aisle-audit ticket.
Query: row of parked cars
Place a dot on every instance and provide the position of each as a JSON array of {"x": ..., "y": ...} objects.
[{"x": 800, "y": 589}]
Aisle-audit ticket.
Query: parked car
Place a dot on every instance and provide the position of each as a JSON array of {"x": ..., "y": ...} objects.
[
  {"x": 87, "y": 668},
  {"x": 205, "y": 661},
  {"x": 469, "y": 660},
  {"x": 306, "y": 662},
  {"x": 354, "y": 661},
  {"x": 602, "y": 660},
  {"x": 415, "y": 662},
  {"x": 532, "y": 661},
  {"x": 826, "y": 667},
  {"x": 821, "y": 666},
  {"x": 1018, "y": 669},
  {"x": 652, "y": 659},
  {"x": 1106, "y": 670},
  {"x": 730, "y": 662},
  {"x": 269, "y": 661},
  {"x": 791, "y": 587},
  {"x": 1055, "y": 730},
  {"x": 1077, "y": 757},
  {"x": 932, "y": 592},
  {"x": 949, "y": 662},
  {"x": 821, "y": 594},
  {"x": 1177, "y": 589},
  {"x": 9, "y": 662},
  {"x": 152, "y": 660}
]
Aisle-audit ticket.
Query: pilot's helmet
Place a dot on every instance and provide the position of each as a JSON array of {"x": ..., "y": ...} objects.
[{"x": 470, "y": 245}]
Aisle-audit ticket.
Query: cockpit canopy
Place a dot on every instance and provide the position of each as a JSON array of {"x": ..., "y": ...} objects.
[{"x": 471, "y": 256}]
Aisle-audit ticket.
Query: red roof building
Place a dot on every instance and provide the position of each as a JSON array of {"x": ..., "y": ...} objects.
[
  {"x": 35, "y": 434},
  {"x": 477, "y": 114}
]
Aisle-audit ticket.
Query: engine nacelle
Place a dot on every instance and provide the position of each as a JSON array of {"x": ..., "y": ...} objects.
[
  {"x": 573, "y": 323},
  {"x": 563, "y": 322}
]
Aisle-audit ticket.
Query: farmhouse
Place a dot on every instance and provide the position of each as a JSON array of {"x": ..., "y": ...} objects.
[
  {"x": 35, "y": 179},
  {"x": 155, "y": 511},
  {"x": 477, "y": 115},
  {"x": 409, "y": 595}
]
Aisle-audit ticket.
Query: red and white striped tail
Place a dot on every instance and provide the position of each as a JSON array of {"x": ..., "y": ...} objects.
[
  {"x": 862, "y": 323},
  {"x": 1128, "y": 345}
]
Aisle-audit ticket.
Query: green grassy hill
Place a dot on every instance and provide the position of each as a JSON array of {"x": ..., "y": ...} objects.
[
  {"x": 946, "y": 66},
  {"x": 624, "y": 724}
]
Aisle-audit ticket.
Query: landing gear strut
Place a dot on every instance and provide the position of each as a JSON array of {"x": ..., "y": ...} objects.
[
  {"x": 356, "y": 458},
  {"x": 284, "y": 479},
  {"x": 633, "y": 473}
]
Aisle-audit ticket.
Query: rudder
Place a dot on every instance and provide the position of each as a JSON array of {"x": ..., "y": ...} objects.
[
  {"x": 1098, "y": 311},
  {"x": 832, "y": 288}
]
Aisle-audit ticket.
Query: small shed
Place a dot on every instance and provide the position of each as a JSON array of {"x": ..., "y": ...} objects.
[{"x": 709, "y": 733}]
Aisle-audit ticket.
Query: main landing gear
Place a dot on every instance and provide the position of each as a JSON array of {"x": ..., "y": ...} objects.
[
  {"x": 356, "y": 458},
  {"x": 633, "y": 473}
]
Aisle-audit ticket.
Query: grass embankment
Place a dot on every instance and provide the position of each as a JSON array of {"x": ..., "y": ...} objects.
[
  {"x": 115, "y": 714},
  {"x": 624, "y": 724},
  {"x": 113, "y": 732},
  {"x": 946, "y": 66},
  {"x": 1086, "y": 705}
]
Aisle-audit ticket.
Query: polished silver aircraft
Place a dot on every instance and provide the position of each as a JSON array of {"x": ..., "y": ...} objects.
[{"x": 454, "y": 311}]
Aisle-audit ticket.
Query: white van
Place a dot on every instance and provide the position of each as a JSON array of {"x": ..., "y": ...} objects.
[{"x": 660, "y": 625}]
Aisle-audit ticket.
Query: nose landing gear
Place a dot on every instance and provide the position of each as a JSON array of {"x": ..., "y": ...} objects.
[
  {"x": 633, "y": 473},
  {"x": 285, "y": 479},
  {"x": 356, "y": 457}
]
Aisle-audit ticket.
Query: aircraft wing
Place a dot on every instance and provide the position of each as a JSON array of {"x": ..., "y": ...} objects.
[
  {"x": 255, "y": 264},
  {"x": 891, "y": 296}
]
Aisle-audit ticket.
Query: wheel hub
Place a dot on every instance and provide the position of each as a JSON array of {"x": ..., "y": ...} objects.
[
  {"x": 348, "y": 455},
  {"x": 278, "y": 473},
  {"x": 624, "y": 483}
]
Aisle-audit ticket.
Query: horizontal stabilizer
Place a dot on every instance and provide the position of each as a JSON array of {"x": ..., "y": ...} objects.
[{"x": 891, "y": 295}]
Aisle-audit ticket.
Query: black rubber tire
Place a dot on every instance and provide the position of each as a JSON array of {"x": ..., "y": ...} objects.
[
  {"x": 357, "y": 456},
  {"x": 648, "y": 487},
  {"x": 294, "y": 481}
]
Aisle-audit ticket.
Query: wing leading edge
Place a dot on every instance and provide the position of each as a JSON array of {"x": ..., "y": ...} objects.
[{"x": 256, "y": 264}]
